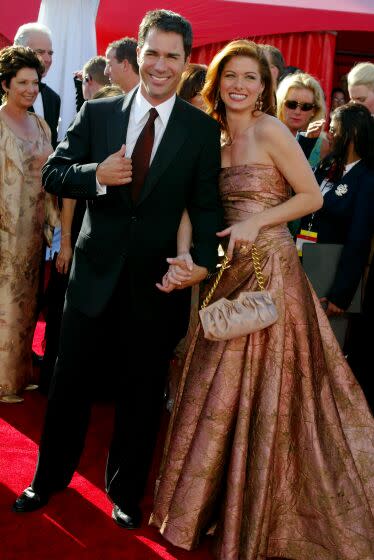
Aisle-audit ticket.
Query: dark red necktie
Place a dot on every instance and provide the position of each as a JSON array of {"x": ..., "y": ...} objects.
[{"x": 141, "y": 155}]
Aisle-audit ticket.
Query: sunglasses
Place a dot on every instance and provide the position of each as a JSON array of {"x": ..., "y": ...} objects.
[{"x": 295, "y": 104}]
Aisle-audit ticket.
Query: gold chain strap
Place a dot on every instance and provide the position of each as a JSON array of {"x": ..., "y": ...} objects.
[
  {"x": 224, "y": 265},
  {"x": 256, "y": 258}
]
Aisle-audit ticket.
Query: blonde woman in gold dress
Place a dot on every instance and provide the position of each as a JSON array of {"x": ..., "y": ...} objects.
[
  {"x": 271, "y": 443},
  {"x": 24, "y": 148}
]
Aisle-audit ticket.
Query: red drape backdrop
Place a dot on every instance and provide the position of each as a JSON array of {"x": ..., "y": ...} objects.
[
  {"x": 312, "y": 52},
  {"x": 4, "y": 41}
]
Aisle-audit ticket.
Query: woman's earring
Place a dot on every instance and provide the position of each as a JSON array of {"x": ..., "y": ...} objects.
[{"x": 259, "y": 103}]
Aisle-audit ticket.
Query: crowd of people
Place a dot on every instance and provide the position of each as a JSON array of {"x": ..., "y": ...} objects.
[{"x": 168, "y": 165}]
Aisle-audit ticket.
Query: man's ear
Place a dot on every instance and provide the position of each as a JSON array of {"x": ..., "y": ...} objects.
[
  {"x": 187, "y": 61},
  {"x": 138, "y": 51}
]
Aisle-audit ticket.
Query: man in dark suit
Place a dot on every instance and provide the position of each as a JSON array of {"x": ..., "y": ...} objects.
[
  {"x": 48, "y": 103},
  {"x": 128, "y": 232}
]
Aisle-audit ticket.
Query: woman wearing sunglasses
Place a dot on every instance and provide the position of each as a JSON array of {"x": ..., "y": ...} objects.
[{"x": 300, "y": 102}]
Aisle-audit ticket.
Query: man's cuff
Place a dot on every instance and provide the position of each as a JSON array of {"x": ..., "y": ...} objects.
[{"x": 100, "y": 189}]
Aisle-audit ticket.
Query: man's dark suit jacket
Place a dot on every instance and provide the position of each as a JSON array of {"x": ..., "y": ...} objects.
[
  {"x": 51, "y": 105},
  {"x": 347, "y": 219},
  {"x": 117, "y": 233}
]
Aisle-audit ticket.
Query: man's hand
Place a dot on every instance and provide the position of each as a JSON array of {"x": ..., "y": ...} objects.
[
  {"x": 115, "y": 170},
  {"x": 196, "y": 275},
  {"x": 192, "y": 275}
]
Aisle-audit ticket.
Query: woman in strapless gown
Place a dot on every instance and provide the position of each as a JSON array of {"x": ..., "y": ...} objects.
[{"x": 271, "y": 443}]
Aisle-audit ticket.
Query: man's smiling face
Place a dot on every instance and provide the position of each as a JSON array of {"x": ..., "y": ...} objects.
[{"x": 161, "y": 63}]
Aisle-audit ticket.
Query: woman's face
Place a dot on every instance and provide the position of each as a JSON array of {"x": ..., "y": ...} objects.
[
  {"x": 337, "y": 100},
  {"x": 302, "y": 111},
  {"x": 333, "y": 132},
  {"x": 23, "y": 88},
  {"x": 240, "y": 84},
  {"x": 363, "y": 95}
]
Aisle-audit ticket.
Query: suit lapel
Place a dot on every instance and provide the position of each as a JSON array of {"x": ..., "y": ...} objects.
[
  {"x": 173, "y": 138},
  {"x": 116, "y": 127},
  {"x": 346, "y": 185},
  {"x": 350, "y": 179}
]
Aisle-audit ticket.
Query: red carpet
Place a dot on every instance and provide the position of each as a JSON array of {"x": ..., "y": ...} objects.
[{"x": 76, "y": 524}]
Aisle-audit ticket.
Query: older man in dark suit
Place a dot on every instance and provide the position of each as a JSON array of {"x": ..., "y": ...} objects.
[
  {"x": 47, "y": 104},
  {"x": 128, "y": 232}
]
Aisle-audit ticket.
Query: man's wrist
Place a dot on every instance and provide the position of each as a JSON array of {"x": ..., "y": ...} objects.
[{"x": 203, "y": 270}]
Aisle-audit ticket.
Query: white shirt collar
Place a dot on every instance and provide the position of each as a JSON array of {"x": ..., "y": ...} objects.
[
  {"x": 142, "y": 106},
  {"x": 349, "y": 166},
  {"x": 129, "y": 95}
]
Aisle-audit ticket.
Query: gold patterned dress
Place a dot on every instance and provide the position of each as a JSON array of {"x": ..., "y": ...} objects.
[
  {"x": 21, "y": 238},
  {"x": 271, "y": 444}
]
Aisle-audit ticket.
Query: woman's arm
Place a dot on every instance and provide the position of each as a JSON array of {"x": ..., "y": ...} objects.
[
  {"x": 184, "y": 236},
  {"x": 277, "y": 144},
  {"x": 176, "y": 275},
  {"x": 66, "y": 251}
]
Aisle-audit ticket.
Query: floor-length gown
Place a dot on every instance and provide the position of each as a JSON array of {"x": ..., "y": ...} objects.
[
  {"x": 271, "y": 443},
  {"x": 21, "y": 239}
]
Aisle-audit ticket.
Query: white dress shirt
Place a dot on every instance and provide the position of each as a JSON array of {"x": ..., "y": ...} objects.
[
  {"x": 139, "y": 114},
  {"x": 129, "y": 95},
  {"x": 38, "y": 105}
]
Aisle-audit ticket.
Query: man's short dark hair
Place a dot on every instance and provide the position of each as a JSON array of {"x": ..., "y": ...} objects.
[
  {"x": 167, "y": 21},
  {"x": 95, "y": 69},
  {"x": 126, "y": 50}
]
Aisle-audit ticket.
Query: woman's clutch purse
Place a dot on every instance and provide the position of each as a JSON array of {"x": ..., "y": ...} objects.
[{"x": 250, "y": 312}]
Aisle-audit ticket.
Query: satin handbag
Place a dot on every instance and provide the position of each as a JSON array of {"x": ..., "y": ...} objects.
[{"x": 250, "y": 312}]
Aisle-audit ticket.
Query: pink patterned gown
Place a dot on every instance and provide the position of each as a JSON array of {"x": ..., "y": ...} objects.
[{"x": 271, "y": 443}]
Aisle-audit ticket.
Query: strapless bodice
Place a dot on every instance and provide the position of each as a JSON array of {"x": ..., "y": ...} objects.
[{"x": 251, "y": 188}]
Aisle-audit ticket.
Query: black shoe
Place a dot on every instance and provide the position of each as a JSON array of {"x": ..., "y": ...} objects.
[
  {"x": 127, "y": 520},
  {"x": 29, "y": 500}
]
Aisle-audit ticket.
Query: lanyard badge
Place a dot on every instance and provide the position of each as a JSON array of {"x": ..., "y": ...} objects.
[{"x": 305, "y": 236}]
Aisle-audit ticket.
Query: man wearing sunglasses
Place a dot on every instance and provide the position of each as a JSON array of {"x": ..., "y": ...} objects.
[
  {"x": 47, "y": 104},
  {"x": 90, "y": 80}
]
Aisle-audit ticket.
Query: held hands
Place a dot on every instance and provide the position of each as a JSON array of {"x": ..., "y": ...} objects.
[
  {"x": 115, "y": 170},
  {"x": 182, "y": 273},
  {"x": 64, "y": 258},
  {"x": 331, "y": 309},
  {"x": 241, "y": 233}
]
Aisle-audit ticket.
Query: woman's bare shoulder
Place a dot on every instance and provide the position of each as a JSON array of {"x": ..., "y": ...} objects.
[{"x": 269, "y": 127}]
